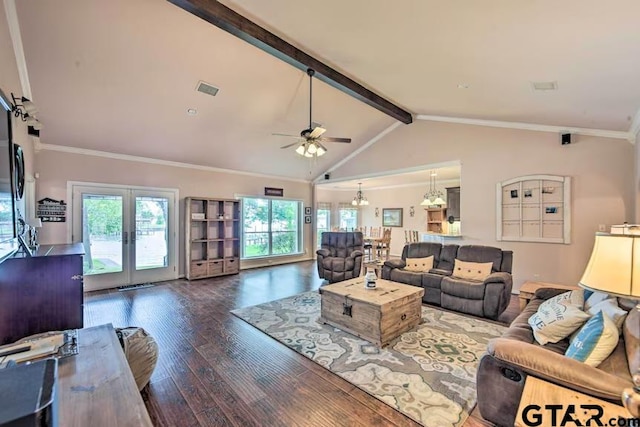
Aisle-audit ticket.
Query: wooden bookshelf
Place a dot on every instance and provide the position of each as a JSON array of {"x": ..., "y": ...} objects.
[
  {"x": 212, "y": 237},
  {"x": 435, "y": 218}
]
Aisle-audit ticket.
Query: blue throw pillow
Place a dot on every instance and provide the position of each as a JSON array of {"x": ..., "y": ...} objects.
[{"x": 595, "y": 341}]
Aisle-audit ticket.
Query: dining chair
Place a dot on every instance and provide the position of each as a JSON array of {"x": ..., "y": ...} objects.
[{"x": 384, "y": 244}]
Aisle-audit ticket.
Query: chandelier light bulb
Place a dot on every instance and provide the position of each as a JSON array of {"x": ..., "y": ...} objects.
[
  {"x": 300, "y": 150},
  {"x": 320, "y": 151},
  {"x": 312, "y": 148}
]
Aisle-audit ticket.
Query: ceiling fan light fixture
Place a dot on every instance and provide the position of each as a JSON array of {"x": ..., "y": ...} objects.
[
  {"x": 301, "y": 149},
  {"x": 312, "y": 148},
  {"x": 321, "y": 151}
]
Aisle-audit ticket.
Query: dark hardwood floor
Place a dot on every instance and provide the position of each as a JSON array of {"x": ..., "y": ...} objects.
[{"x": 216, "y": 370}]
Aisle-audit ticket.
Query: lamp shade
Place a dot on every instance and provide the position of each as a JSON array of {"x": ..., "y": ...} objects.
[{"x": 614, "y": 266}]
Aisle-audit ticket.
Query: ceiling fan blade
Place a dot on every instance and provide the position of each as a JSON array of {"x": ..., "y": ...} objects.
[
  {"x": 316, "y": 132},
  {"x": 285, "y": 134},
  {"x": 332, "y": 139},
  {"x": 290, "y": 145}
]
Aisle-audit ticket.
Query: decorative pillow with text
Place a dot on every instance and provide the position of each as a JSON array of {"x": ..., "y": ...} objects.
[
  {"x": 555, "y": 321},
  {"x": 595, "y": 341}
]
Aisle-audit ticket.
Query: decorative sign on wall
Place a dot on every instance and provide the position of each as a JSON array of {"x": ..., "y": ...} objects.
[
  {"x": 270, "y": 191},
  {"x": 50, "y": 210},
  {"x": 534, "y": 208}
]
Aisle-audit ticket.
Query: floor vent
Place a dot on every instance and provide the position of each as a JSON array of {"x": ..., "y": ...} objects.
[{"x": 132, "y": 287}]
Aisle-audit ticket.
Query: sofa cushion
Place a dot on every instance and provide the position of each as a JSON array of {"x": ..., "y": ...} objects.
[
  {"x": 423, "y": 250},
  {"x": 431, "y": 280},
  {"x": 407, "y": 277},
  {"x": 471, "y": 270},
  {"x": 555, "y": 321},
  {"x": 462, "y": 288},
  {"x": 477, "y": 253},
  {"x": 447, "y": 257},
  {"x": 595, "y": 340},
  {"x": 421, "y": 265}
]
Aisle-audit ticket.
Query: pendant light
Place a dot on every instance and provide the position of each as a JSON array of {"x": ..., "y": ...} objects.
[
  {"x": 359, "y": 200},
  {"x": 434, "y": 196}
]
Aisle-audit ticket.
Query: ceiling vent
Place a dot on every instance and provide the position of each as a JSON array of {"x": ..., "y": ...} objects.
[
  {"x": 207, "y": 88},
  {"x": 544, "y": 85}
]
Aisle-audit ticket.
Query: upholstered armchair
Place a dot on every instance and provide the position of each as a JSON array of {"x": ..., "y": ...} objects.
[{"x": 340, "y": 256}]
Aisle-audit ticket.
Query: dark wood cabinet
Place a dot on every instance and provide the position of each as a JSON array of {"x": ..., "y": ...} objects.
[
  {"x": 453, "y": 203},
  {"x": 41, "y": 293}
]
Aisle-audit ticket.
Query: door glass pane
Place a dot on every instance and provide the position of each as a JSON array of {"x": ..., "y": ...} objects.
[
  {"x": 323, "y": 221},
  {"x": 152, "y": 237},
  {"x": 284, "y": 226},
  {"x": 102, "y": 233},
  {"x": 256, "y": 227}
]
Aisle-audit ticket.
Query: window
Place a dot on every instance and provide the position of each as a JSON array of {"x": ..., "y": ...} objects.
[
  {"x": 323, "y": 219},
  {"x": 270, "y": 227},
  {"x": 348, "y": 217}
]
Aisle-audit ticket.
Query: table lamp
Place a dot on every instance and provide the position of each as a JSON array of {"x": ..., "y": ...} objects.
[{"x": 614, "y": 268}]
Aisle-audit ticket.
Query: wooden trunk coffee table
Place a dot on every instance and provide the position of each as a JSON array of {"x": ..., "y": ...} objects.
[{"x": 377, "y": 315}]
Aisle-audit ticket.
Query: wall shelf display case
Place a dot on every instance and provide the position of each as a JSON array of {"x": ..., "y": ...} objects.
[
  {"x": 435, "y": 219},
  {"x": 212, "y": 242},
  {"x": 534, "y": 208}
]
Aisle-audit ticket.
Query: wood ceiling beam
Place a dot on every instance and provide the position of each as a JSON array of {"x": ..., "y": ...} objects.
[{"x": 225, "y": 18}]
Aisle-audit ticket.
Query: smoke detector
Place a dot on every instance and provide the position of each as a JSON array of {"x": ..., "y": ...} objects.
[{"x": 207, "y": 88}]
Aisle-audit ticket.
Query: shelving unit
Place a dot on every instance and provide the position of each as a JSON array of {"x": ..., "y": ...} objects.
[
  {"x": 435, "y": 218},
  {"x": 212, "y": 237},
  {"x": 534, "y": 208}
]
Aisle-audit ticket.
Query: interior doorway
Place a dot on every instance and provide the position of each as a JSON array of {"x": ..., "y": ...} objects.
[{"x": 128, "y": 233}]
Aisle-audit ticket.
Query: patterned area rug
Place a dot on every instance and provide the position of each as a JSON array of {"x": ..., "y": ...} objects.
[{"x": 428, "y": 374}]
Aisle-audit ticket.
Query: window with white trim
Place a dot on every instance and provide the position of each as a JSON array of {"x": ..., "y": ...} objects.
[
  {"x": 271, "y": 227},
  {"x": 347, "y": 217},
  {"x": 323, "y": 219}
]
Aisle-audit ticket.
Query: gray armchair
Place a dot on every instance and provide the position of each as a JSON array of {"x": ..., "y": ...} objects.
[{"x": 340, "y": 256}]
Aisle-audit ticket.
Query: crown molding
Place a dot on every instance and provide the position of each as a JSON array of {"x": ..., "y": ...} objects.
[
  {"x": 634, "y": 129},
  {"x": 529, "y": 126},
  {"x": 394, "y": 186},
  {"x": 18, "y": 49},
  {"x": 150, "y": 160},
  {"x": 359, "y": 150}
]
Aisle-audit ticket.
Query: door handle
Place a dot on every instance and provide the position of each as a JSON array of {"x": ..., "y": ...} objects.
[{"x": 125, "y": 238}]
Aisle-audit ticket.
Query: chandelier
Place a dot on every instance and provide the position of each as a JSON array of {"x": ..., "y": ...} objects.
[
  {"x": 360, "y": 200},
  {"x": 434, "y": 196},
  {"x": 311, "y": 148}
]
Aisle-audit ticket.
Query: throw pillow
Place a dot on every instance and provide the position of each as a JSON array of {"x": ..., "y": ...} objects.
[
  {"x": 420, "y": 265},
  {"x": 592, "y": 298},
  {"x": 611, "y": 309},
  {"x": 575, "y": 298},
  {"x": 471, "y": 270},
  {"x": 595, "y": 341},
  {"x": 556, "y": 321}
]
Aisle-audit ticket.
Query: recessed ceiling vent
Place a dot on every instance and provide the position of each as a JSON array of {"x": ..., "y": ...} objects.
[
  {"x": 544, "y": 85},
  {"x": 205, "y": 87}
]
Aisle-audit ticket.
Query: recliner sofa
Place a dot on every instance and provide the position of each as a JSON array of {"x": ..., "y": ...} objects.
[
  {"x": 515, "y": 355},
  {"x": 340, "y": 256},
  {"x": 488, "y": 298}
]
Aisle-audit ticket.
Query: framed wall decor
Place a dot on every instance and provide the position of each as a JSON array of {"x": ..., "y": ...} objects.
[
  {"x": 307, "y": 219},
  {"x": 534, "y": 208},
  {"x": 392, "y": 217},
  {"x": 307, "y": 210}
]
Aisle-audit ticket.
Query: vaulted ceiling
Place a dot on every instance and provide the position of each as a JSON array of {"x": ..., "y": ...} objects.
[{"x": 119, "y": 75}]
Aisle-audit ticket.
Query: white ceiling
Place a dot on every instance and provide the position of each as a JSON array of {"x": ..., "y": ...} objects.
[{"x": 119, "y": 75}]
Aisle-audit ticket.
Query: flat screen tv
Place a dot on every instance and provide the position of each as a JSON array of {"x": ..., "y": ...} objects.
[{"x": 8, "y": 229}]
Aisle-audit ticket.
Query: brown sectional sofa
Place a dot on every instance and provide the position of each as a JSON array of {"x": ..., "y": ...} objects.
[
  {"x": 515, "y": 355},
  {"x": 486, "y": 299}
]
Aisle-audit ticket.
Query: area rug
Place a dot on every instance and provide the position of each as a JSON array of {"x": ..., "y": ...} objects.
[{"x": 428, "y": 373}]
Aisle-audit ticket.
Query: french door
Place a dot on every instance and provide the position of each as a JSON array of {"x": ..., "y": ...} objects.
[{"x": 128, "y": 233}]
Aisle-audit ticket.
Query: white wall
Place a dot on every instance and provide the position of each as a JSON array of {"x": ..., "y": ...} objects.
[
  {"x": 602, "y": 171},
  {"x": 56, "y": 169}
]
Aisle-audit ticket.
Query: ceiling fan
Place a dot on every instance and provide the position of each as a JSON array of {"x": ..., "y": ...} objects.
[{"x": 311, "y": 139}]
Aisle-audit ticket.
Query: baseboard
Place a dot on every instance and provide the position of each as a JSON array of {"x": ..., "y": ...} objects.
[{"x": 272, "y": 262}]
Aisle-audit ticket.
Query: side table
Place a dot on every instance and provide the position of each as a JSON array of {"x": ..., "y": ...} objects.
[
  {"x": 529, "y": 288},
  {"x": 542, "y": 393}
]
